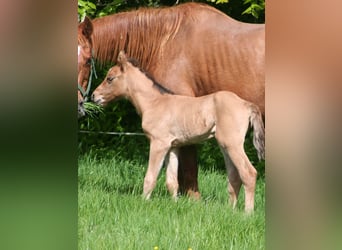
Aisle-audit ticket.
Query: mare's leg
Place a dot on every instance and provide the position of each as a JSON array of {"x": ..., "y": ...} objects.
[
  {"x": 188, "y": 171},
  {"x": 158, "y": 151},
  {"x": 234, "y": 180},
  {"x": 172, "y": 172}
]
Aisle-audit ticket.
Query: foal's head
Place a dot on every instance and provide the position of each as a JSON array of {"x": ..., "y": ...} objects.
[
  {"x": 114, "y": 86},
  {"x": 85, "y": 30}
]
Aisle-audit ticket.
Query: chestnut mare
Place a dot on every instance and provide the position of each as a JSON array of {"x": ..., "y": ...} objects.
[
  {"x": 171, "y": 121},
  {"x": 172, "y": 44}
]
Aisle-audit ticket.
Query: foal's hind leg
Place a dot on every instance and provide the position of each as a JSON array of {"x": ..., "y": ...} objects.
[
  {"x": 234, "y": 180},
  {"x": 158, "y": 151},
  {"x": 247, "y": 174},
  {"x": 172, "y": 173}
]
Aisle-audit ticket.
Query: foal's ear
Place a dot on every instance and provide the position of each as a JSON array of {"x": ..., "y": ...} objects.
[
  {"x": 87, "y": 27},
  {"x": 122, "y": 60}
]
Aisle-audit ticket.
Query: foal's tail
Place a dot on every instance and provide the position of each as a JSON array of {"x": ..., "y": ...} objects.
[{"x": 259, "y": 130}]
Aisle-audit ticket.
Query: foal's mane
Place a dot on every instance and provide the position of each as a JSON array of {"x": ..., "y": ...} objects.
[
  {"x": 141, "y": 33},
  {"x": 156, "y": 84}
]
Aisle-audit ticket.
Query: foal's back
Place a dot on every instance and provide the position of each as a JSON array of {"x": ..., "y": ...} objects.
[{"x": 189, "y": 120}]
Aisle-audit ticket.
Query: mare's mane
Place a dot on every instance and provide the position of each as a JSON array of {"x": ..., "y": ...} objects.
[
  {"x": 141, "y": 33},
  {"x": 83, "y": 40},
  {"x": 156, "y": 84}
]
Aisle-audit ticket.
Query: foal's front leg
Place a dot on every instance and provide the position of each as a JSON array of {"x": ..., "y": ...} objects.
[
  {"x": 158, "y": 151},
  {"x": 172, "y": 173}
]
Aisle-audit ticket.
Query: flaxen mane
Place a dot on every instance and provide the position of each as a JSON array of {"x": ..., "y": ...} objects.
[{"x": 159, "y": 26}]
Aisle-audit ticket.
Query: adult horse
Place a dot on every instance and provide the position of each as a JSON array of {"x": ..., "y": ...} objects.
[{"x": 176, "y": 39}]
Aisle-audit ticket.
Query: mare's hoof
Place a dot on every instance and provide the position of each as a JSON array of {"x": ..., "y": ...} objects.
[{"x": 194, "y": 195}]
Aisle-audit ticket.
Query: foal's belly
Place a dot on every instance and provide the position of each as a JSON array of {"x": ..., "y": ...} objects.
[{"x": 189, "y": 137}]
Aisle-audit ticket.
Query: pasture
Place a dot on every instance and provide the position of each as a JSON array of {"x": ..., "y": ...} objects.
[{"x": 113, "y": 215}]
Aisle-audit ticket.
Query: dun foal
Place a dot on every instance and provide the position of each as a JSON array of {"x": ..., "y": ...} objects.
[{"x": 171, "y": 121}]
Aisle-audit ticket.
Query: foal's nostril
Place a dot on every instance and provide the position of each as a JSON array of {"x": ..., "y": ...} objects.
[{"x": 92, "y": 97}]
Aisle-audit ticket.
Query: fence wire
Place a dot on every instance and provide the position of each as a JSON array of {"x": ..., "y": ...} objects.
[{"x": 112, "y": 133}]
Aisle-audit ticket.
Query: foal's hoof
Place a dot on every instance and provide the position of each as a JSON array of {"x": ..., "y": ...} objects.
[
  {"x": 175, "y": 197},
  {"x": 249, "y": 212},
  {"x": 146, "y": 197}
]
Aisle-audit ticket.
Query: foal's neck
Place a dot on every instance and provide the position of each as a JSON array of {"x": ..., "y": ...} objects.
[{"x": 143, "y": 93}]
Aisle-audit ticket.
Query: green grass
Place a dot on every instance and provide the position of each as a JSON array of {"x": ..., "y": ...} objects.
[
  {"x": 91, "y": 109},
  {"x": 113, "y": 215}
]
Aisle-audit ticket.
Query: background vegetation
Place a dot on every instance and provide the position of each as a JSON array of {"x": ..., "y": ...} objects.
[{"x": 244, "y": 10}]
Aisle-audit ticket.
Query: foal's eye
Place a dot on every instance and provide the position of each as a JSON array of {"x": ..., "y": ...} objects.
[{"x": 110, "y": 79}]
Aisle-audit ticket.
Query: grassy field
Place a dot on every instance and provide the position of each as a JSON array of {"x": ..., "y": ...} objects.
[{"x": 113, "y": 215}]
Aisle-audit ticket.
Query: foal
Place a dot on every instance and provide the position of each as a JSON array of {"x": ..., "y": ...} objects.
[{"x": 170, "y": 121}]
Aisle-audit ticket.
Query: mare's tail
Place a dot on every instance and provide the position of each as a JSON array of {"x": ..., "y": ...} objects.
[{"x": 259, "y": 130}]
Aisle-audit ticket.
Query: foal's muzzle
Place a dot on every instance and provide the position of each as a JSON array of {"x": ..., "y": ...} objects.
[{"x": 97, "y": 100}]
